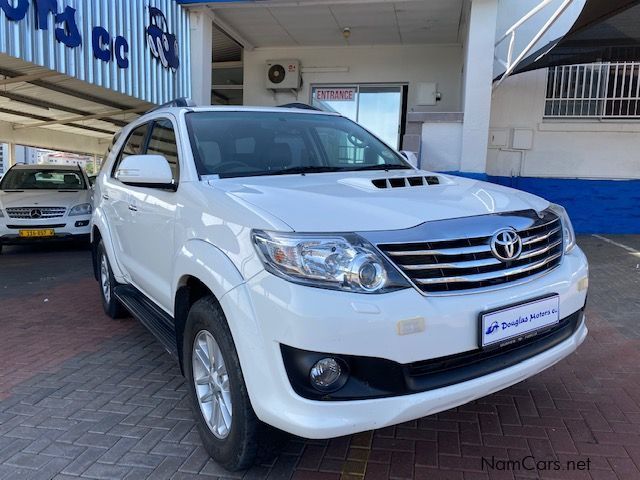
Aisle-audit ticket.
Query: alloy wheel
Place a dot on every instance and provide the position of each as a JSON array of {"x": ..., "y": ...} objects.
[
  {"x": 104, "y": 278},
  {"x": 212, "y": 384}
]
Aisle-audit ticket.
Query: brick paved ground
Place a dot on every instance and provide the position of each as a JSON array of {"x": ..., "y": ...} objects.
[{"x": 85, "y": 396}]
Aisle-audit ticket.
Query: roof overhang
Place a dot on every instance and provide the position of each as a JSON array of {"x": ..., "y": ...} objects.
[
  {"x": 605, "y": 31},
  {"x": 44, "y": 108}
]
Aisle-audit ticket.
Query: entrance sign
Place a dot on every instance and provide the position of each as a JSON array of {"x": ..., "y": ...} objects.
[
  {"x": 347, "y": 94},
  {"x": 378, "y": 108}
]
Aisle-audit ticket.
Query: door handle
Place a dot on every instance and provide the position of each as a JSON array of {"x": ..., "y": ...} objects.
[
  {"x": 133, "y": 208},
  {"x": 105, "y": 196}
]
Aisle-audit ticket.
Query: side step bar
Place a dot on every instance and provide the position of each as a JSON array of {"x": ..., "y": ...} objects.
[{"x": 150, "y": 315}]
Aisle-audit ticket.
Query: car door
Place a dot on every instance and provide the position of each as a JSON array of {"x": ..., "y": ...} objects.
[
  {"x": 153, "y": 212},
  {"x": 115, "y": 199}
]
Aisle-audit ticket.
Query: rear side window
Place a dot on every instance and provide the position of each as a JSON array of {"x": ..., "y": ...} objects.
[
  {"x": 133, "y": 145},
  {"x": 163, "y": 142}
]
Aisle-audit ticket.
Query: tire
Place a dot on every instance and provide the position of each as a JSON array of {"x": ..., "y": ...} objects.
[
  {"x": 112, "y": 307},
  {"x": 1, "y": 248},
  {"x": 233, "y": 440}
]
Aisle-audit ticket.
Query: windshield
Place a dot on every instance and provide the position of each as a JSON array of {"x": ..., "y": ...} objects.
[
  {"x": 42, "y": 179},
  {"x": 238, "y": 144}
]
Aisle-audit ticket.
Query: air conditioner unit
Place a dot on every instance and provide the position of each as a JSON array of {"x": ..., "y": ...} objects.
[{"x": 282, "y": 74}]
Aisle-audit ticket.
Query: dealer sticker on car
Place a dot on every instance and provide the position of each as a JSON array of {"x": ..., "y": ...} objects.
[{"x": 519, "y": 321}]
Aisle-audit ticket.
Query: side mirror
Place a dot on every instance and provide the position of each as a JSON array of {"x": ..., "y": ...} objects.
[
  {"x": 411, "y": 157},
  {"x": 151, "y": 171}
]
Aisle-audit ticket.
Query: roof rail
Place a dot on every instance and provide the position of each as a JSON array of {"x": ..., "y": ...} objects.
[
  {"x": 176, "y": 102},
  {"x": 300, "y": 105}
]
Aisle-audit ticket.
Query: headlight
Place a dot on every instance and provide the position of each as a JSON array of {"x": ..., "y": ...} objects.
[
  {"x": 336, "y": 261},
  {"x": 568, "y": 234},
  {"x": 82, "y": 209}
]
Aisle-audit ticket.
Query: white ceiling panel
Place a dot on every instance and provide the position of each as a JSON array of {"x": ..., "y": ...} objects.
[
  {"x": 365, "y": 15},
  {"x": 375, "y": 23},
  {"x": 313, "y": 16},
  {"x": 374, "y": 36}
]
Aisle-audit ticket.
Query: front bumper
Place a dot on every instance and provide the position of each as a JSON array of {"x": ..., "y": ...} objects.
[
  {"x": 266, "y": 313},
  {"x": 65, "y": 228},
  {"x": 367, "y": 377}
]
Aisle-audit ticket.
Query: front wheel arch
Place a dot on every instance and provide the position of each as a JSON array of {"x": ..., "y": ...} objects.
[
  {"x": 190, "y": 291},
  {"x": 96, "y": 237}
]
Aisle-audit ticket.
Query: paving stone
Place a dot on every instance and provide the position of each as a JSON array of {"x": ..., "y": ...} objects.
[
  {"x": 83, "y": 461},
  {"x": 108, "y": 402},
  {"x": 106, "y": 472},
  {"x": 51, "y": 469},
  {"x": 27, "y": 460},
  {"x": 63, "y": 450},
  {"x": 118, "y": 450},
  {"x": 141, "y": 460}
]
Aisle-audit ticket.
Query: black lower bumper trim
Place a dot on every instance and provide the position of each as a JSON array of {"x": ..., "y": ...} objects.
[{"x": 371, "y": 377}]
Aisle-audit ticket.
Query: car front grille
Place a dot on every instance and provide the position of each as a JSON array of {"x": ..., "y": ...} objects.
[
  {"x": 468, "y": 264},
  {"x": 35, "y": 213}
]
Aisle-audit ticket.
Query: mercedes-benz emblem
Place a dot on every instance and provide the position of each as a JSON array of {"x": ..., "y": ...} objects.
[
  {"x": 36, "y": 213},
  {"x": 506, "y": 245}
]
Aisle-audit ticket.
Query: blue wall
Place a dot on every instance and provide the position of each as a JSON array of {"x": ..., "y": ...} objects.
[{"x": 595, "y": 206}]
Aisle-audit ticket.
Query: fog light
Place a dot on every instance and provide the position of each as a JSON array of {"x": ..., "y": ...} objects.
[
  {"x": 82, "y": 223},
  {"x": 327, "y": 374}
]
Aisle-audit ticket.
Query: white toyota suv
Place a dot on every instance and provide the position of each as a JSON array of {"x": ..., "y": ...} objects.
[
  {"x": 44, "y": 202},
  {"x": 307, "y": 277}
]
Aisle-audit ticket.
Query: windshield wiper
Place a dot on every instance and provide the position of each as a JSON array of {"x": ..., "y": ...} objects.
[
  {"x": 13, "y": 191},
  {"x": 380, "y": 167},
  {"x": 313, "y": 169},
  {"x": 303, "y": 170}
]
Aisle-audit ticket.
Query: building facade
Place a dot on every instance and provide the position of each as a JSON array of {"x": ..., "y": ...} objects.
[
  {"x": 422, "y": 75},
  {"x": 73, "y": 72}
]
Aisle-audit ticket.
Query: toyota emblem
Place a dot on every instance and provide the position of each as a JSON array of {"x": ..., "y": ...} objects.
[
  {"x": 36, "y": 213},
  {"x": 506, "y": 245}
]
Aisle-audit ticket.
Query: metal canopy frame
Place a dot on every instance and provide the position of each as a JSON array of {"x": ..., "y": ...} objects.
[
  {"x": 36, "y": 79},
  {"x": 510, "y": 64}
]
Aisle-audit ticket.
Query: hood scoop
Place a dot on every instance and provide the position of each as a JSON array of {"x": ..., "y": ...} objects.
[{"x": 405, "y": 182}]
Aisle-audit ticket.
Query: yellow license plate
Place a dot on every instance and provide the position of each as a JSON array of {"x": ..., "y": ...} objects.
[{"x": 43, "y": 232}]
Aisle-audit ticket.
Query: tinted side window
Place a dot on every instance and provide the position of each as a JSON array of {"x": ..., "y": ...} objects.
[
  {"x": 133, "y": 145},
  {"x": 106, "y": 155},
  {"x": 163, "y": 142}
]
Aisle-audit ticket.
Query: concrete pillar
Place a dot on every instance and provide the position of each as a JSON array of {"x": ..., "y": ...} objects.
[
  {"x": 477, "y": 84},
  {"x": 201, "y": 55},
  {"x": 11, "y": 154}
]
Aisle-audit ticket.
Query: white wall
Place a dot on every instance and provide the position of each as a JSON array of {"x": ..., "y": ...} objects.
[
  {"x": 586, "y": 149},
  {"x": 441, "y": 146},
  {"x": 377, "y": 64}
]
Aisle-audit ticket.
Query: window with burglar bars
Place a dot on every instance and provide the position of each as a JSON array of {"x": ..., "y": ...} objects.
[{"x": 595, "y": 90}]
